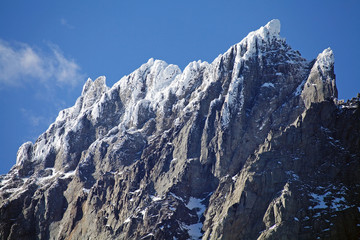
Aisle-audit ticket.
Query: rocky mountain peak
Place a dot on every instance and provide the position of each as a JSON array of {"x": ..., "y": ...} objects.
[
  {"x": 273, "y": 27},
  {"x": 220, "y": 150},
  {"x": 268, "y": 32},
  {"x": 96, "y": 87},
  {"x": 262, "y": 39},
  {"x": 321, "y": 84},
  {"x": 325, "y": 60}
]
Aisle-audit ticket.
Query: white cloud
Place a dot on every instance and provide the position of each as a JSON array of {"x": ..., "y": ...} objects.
[
  {"x": 21, "y": 63},
  {"x": 65, "y": 23},
  {"x": 33, "y": 119}
]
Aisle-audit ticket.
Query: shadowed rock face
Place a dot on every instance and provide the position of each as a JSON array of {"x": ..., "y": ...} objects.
[{"x": 251, "y": 146}]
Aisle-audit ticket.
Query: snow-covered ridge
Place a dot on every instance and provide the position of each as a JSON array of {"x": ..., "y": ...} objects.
[
  {"x": 151, "y": 85},
  {"x": 154, "y": 81},
  {"x": 161, "y": 92}
]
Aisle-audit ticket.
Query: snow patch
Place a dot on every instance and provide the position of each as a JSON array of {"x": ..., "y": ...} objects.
[
  {"x": 299, "y": 88},
  {"x": 5, "y": 181},
  {"x": 85, "y": 190},
  {"x": 149, "y": 235},
  {"x": 143, "y": 212},
  {"x": 266, "y": 34},
  {"x": 68, "y": 174},
  {"x": 155, "y": 199},
  {"x": 268, "y": 85},
  {"x": 319, "y": 200},
  {"x": 194, "y": 230},
  {"x": 196, "y": 204},
  {"x": 330, "y": 197},
  {"x": 136, "y": 191},
  {"x": 177, "y": 197},
  {"x": 325, "y": 60},
  {"x": 273, "y": 227}
]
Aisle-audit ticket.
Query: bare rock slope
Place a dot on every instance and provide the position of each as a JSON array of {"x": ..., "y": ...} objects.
[{"x": 254, "y": 145}]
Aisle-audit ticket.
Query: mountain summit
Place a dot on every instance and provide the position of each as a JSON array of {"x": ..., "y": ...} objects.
[{"x": 254, "y": 145}]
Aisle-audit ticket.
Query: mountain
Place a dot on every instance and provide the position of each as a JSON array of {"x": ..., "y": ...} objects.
[{"x": 254, "y": 145}]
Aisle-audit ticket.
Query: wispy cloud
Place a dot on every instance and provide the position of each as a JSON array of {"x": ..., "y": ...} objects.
[
  {"x": 32, "y": 118},
  {"x": 36, "y": 123},
  {"x": 21, "y": 63},
  {"x": 65, "y": 23}
]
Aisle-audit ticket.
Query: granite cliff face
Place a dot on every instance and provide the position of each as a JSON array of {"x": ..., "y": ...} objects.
[{"x": 254, "y": 145}]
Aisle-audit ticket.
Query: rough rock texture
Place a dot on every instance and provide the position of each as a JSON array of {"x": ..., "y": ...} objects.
[{"x": 251, "y": 146}]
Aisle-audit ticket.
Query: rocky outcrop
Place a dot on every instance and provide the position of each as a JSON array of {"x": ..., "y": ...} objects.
[
  {"x": 251, "y": 146},
  {"x": 296, "y": 185},
  {"x": 320, "y": 84}
]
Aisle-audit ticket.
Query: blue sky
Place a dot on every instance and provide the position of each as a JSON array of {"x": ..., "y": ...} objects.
[{"x": 49, "y": 48}]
